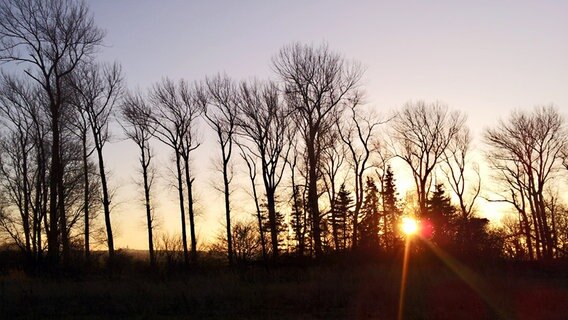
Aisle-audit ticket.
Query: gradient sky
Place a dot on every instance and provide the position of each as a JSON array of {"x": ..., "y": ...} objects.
[{"x": 486, "y": 58}]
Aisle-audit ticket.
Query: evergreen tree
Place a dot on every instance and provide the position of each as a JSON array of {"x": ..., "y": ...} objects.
[
  {"x": 369, "y": 226},
  {"x": 266, "y": 226},
  {"x": 442, "y": 215},
  {"x": 391, "y": 211},
  {"x": 297, "y": 221},
  {"x": 339, "y": 219}
]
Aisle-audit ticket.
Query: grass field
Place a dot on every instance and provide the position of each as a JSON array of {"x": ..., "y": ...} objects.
[{"x": 362, "y": 290}]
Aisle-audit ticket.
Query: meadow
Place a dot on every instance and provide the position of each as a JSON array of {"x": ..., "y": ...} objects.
[{"x": 339, "y": 289}]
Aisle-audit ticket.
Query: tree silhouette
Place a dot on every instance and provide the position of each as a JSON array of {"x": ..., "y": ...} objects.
[
  {"x": 391, "y": 211},
  {"x": 51, "y": 38},
  {"x": 97, "y": 89},
  {"x": 525, "y": 151},
  {"x": 441, "y": 214},
  {"x": 175, "y": 110},
  {"x": 369, "y": 226},
  {"x": 262, "y": 122},
  {"x": 422, "y": 132},
  {"x": 136, "y": 116},
  {"x": 340, "y": 218},
  {"x": 220, "y": 109},
  {"x": 317, "y": 82}
]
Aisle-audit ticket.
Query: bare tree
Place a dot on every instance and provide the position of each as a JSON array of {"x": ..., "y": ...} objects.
[
  {"x": 98, "y": 88},
  {"x": 136, "y": 116},
  {"x": 245, "y": 241},
  {"x": 251, "y": 165},
  {"x": 219, "y": 96},
  {"x": 456, "y": 160},
  {"x": 262, "y": 122},
  {"x": 457, "y": 168},
  {"x": 80, "y": 127},
  {"x": 422, "y": 132},
  {"x": 16, "y": 98},
  {"x": 51, "y": 38},
  {"x": 190, "y": 143},
  {"x": 176, "y": 110},
  {"x": 333, "y": 161},
  {"x": 357, "y": 134},
  {"x": 317, "y": 81},
  {"x": 526, "y": 152},
  {"x": 298, "y": 219}
]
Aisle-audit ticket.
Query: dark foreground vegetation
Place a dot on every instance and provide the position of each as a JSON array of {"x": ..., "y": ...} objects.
[{"x": 346, "y": 287}]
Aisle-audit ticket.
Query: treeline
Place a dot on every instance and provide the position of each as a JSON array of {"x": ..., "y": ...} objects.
[{"x": 320, "y": 165}]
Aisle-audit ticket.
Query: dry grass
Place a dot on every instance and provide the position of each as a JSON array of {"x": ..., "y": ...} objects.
[{"x": 368, "y": 291}]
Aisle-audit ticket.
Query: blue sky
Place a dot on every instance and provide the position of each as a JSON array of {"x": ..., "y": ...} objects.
[{"x": 486, "y": 58}]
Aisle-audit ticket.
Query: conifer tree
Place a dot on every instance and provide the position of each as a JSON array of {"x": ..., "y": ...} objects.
[
  {"x": 391, "y": 211},
  {"x": 369, "y": 226},
  {"x": 339, "y": 219},
  {"x": 267, "y": 226},
  {"x": 298, "y": 222},
  {"x": 442, "y": 215}
]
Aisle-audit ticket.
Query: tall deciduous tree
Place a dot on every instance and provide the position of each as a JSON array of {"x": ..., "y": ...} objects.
[
  {"x": 98, "y": 88},
  {"x": 17, "y": 99},
  {"x": 221, "y": 113},
  {"x": 457, "y": 168},
  {"x": 51, "y": 38},
  {"x": 79, "y": 126},
  {"x": 357, "y": 133},
  {"x": 263, "y": 121},
  {"x": 317, "y": 83},
  {"x": 136, "y": 115},
  {"x": 526, "y": 151},
  {"x": 422, "y": 132},
  {"x": 333, "y": 159},
  {"x": 252, "y": 170},
  {"x": 174, "y": 117}
]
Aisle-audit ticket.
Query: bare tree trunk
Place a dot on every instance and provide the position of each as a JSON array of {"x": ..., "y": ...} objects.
[
  {"x": 182, "y": 209},
  {"x": 252, "y": 175},
  {"x": 272, "y": 221},
  {"x": 106, "y": 202},
  {"x": 313, "y": 194},
  {"x": 227, "y": 208},
  {"x": 189, "y": 183},
  {"x": 145, "y": 162},
  {"x": 86, "y": 196},
  {"x": 63, "y": 221},
  {"x": 26, "y": 198},
  {"x": 259, "y": 220},
  {"x": 139, "y": 127},
  {"x": 55, "y": 176}
]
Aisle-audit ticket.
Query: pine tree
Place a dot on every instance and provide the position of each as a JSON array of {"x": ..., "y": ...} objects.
[
  {"x": 391, "y": 211},
  {"x": 369, "y": 226},
  {"x": 442, "y": 215},
  {"x": 297, "y": 221},
  {"x": 280, "y": 225},
  {"x": 339, "y": 218}
]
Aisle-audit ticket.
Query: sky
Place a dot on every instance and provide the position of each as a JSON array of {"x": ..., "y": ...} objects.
[{"x": 485, "y": 58}]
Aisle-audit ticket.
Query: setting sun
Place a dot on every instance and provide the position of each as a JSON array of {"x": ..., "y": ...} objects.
[{"x": 409, "y": 226}]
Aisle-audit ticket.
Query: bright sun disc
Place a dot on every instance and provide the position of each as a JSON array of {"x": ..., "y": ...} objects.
[{"x": 409, "y": 226}]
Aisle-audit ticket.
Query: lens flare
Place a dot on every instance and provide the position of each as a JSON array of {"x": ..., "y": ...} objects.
[{"x": 409, "y": 226}]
